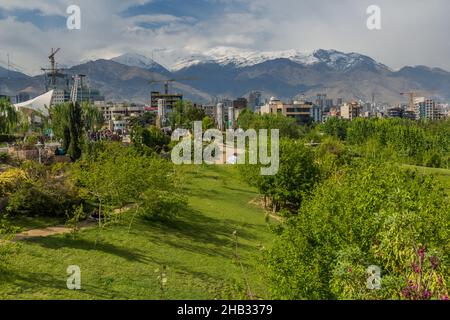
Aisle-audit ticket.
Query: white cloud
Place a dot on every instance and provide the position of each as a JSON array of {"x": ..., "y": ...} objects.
[{"x": 413, "y": 32}]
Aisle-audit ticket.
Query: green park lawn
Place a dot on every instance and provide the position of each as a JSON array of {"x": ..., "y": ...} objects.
[{"x": 197, "y": 248}]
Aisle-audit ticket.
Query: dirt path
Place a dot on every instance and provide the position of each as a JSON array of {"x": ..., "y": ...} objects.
[{"x": 50, "y": 231}]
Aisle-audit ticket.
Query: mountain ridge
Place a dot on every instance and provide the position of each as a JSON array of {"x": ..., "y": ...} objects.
[{"x": 232, "y": 73}]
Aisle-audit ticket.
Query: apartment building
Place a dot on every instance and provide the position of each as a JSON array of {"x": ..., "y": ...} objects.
[
  {"x": 350, "y": 110},
  {"x": 303, "y": 112}
]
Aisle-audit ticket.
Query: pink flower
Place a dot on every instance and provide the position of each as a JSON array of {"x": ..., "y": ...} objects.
[{"x": 421, "y": 253}]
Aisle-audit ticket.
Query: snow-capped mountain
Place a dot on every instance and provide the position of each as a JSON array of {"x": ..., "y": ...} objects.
[
  {"x": 231, "y": 73},
  {"x": 140, "y": 61},
  {"x": 226, "y": 56}
]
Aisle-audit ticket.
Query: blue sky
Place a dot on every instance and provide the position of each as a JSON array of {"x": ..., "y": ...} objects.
[
  {"x": 34, "y": 16},
  {"x": 414, "y": 32}
]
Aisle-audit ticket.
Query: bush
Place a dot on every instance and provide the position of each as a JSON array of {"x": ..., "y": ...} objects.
[
  {"x": 10, "y": 180},
  {"x": 161, "y": 205},
  {"x": 4, "y": 158},
  {"x": 32, "y": 200}
]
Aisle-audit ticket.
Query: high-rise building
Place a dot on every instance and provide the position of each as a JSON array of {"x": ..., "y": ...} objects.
[
  {"x": 254, "y": 100},
  {"x": 220, "y": 116},
  {"x": 171, "y": 100},
  {"x": 317, "y": 113},
  {"x": 426, "y": 109},
  {"x": 231, "y": 120},
  {"x": 329, "y": 103},
  {"x": 321, "y": 100},
  {"x": 60, "y": 95}
]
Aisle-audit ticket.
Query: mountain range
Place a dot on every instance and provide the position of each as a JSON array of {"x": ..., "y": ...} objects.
[{"x": 231, "y": 72}]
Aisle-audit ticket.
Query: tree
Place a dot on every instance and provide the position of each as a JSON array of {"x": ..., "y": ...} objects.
[
  {"x": 336, "y": 127},
  {"x": 207, "y": 123},
  {"x": 184, "y": 114},
  {"x": 67, "y": 121},
  {"x": 92, "y": 117},
  {"x": 115, "y": 176},
  {"x": 8, "y": 117},
  {"x": 76, "y": 131},
  {"x": 287, "y": 126},
  {"x": 295, "y": 179},
  {"x": 150, "y": 139},
  {"x": 145, "y": 120}
]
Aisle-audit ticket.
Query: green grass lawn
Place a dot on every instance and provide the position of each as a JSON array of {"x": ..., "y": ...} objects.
[{"x": 197, "y": 249}]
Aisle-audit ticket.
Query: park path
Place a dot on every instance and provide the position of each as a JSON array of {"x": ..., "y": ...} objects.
[{"x": 50, "y": 231}]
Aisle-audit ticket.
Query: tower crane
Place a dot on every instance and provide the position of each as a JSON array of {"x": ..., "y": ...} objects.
[
  {"x": 411, "y": 104},
  {"x": 53, "y": 71},
  {"x": 412, "y": 95},
  {"x": 167, "y": 82}
]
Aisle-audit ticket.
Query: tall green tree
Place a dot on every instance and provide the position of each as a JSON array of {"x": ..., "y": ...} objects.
[
  {"x": 8, "y": 117},
  {"x": 92, "y": 117},
  {"x": 76, "y": 131},
  {"x": 295, "y": 179},
  {"x": 59, "y": 116}
]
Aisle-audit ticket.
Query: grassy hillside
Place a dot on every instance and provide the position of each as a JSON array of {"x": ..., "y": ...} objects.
[{"x": 197, "y": 249}]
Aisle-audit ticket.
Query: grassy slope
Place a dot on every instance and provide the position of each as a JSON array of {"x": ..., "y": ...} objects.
[{"x": 197, "y": 249}]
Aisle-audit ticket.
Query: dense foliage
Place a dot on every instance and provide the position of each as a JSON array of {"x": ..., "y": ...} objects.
[
  {"x": 184, "y": 115},
  {"x": 70, "y": 122},
  {"x": 369, "y": 214},
  {"x": 114, "y": 176},
  {"x": 287, "y": 126},
  {"x": 420, "y": 143},
  {"x": 149, "y": 140}
]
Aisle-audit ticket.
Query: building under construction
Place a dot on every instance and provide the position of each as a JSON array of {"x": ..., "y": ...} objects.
[{"x": 68, "y": 87}]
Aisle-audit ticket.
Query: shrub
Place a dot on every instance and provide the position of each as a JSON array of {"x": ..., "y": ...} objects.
[
  {"x": 10, "y": 180},
  {"x": 161, "y": 205},
  {"x": 32, "y": 200},
  {"x": 4, "y": 158}
]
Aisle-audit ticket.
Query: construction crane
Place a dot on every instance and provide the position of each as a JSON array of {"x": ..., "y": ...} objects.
[
  {"x": 53, "y": 71},
  {"x": 167, "y": 82},
  {"x": 412, "y": 96}
]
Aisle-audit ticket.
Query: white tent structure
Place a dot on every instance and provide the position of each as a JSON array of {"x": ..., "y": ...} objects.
[{"x": 39, "y": 104}]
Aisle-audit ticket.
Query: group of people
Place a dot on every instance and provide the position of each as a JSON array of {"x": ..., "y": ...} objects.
[{"x": 103, "y": 135}]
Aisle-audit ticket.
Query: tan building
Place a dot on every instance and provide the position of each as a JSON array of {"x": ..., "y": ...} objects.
[
  {"x": 350, "y": 110},
  {"x": 301, "y": 111},
  {"x": 118, "y": 111}
]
